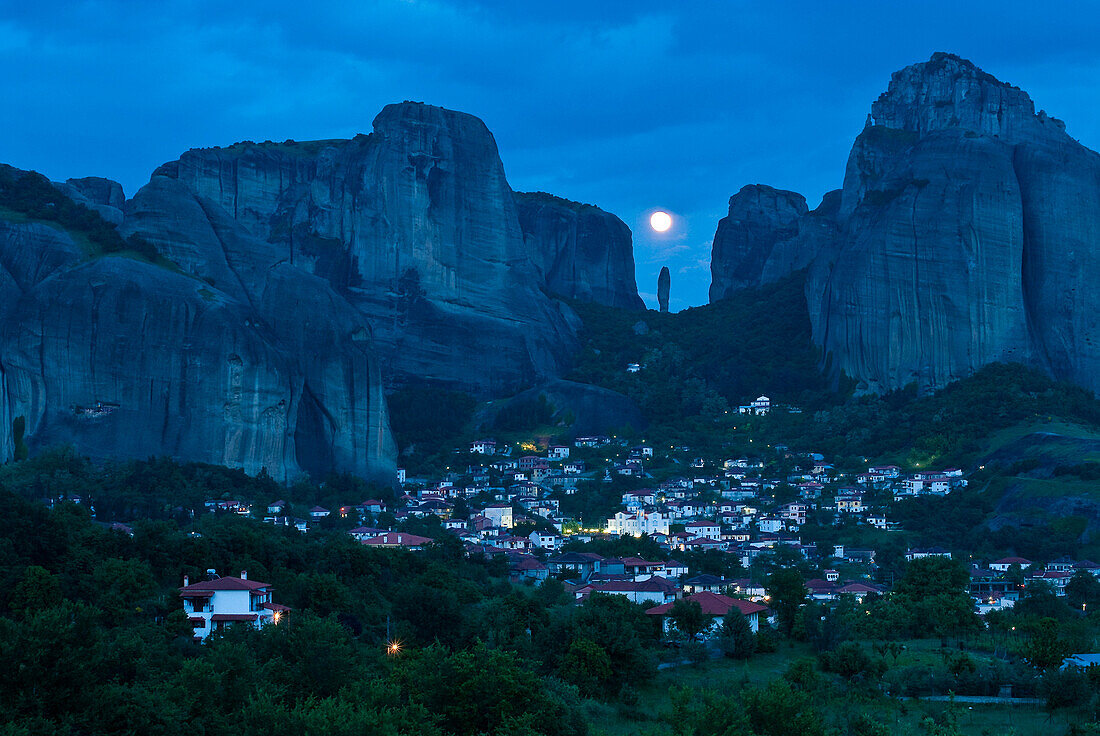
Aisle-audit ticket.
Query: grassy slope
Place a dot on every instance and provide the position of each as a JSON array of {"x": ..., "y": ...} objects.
[{"x": 901, "y": 716}]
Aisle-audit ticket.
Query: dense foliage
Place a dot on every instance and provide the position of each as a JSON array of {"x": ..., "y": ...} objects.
[
  {"x": 428, "y": 416},
  {"x": 93, "y": 632},
  {"x": 703, "y": 360},
  {"x": 947, "y": 426},
  {"x": 31, "y": 195}
]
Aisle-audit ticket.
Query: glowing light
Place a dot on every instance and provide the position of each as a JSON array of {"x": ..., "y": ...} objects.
[
  {"x": 394, "y": 648},
  {"x": 660, "y": 221}
]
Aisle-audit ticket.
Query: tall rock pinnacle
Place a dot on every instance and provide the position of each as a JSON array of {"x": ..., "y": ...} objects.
[{"x": 664, "y": 284}]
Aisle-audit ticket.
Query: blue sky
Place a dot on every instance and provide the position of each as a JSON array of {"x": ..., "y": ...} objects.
[{"x": 631, "y": 106}]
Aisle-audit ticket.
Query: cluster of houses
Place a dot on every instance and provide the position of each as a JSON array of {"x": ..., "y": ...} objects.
[
  {"x": 727, "y": 506},
  {"x": 733, "y": 509},
  {"x": 1001, "y": 583}
]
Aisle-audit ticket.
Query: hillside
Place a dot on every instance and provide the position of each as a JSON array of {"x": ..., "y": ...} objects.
[{"x": 703, "y": 361}]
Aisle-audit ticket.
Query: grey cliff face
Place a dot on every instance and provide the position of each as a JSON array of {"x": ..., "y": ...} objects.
[
  {"x": 581, "y": 251},
  {"x": 414, "y": 225},
  {"x": 664, "y": 286},
  {"x": 124, "y": 358},
  {"x": 759, "y": 218},
  {"x": 967, "y": 231}
]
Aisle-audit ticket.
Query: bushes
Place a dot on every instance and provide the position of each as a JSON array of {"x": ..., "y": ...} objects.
[
  {"x": 852, "y": 662},
  {"x": 31, "y": 194}
]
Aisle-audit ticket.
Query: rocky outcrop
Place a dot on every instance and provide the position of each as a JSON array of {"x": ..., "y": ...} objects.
[
  {"x": 967, "y": 232},
  {"x": 414, "y": 224},
  {"x": 125, "y": 358},
  {"x": 759, "y": 217},
  {"x": 102, "y": 195},
  {"x": 664, "y": 286},
  {"x": 581, "y": 251}
]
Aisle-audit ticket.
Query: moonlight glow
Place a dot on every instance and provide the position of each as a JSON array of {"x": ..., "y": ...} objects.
[{"x": 660, "y": 221}]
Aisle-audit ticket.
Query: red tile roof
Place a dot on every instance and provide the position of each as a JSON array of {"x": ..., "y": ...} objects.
[
  {"x": 713, "y": 604},
  {"x": 226, "y": 583}
]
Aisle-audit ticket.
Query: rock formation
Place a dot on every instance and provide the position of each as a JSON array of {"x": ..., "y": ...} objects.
[
  {"x": 291, "y": 278},
  {"x": 416, "y": 226},
  {"x": 759, "y": 217},
  {"x": 967, "y": 231},
  {"x": 581, "y": 251},
  {"x": 121, "y": 357},
  {"x": 664, "y": 285}
]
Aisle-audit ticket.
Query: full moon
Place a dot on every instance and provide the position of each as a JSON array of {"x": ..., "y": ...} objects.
[{"x": 660, "y": 221}]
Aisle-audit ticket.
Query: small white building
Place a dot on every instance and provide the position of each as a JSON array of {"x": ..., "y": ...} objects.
[
  {"x": 638, "y": 523},
  {"x": 483, "y": 447},
  {"x": 770, "y": 525},
  {"x": 214, "y": 604},
  {"x": 545, "y": 540},
  {"x": 760, "y": 406},
  {"x": 705, "y": 529},
  {"x": 500, "y": 514},
  {"x": 559, "y": 452}
]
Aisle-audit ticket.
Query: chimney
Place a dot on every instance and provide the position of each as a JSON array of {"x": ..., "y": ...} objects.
[
  {"x": 244, "y": 574},
  {"x": 186, "y": 581}
]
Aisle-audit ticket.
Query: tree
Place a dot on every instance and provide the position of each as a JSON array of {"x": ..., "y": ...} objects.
[
  {"x": 687, "y": 616},
  {"x": 934, "y": 590},
  {"x": 37, "y": 591},
  {"x": 1083, "y": 590},
  {"x": 930, "y": 576},
  {"x": 587, "y": 666},
  {"x": 1041, "y": 601},
  {"x": 787, "y": 592},
  {"x": 1046, "y": 649},
  {"x": 736, "y": 639},
  {"x": 621, "y": 628}
]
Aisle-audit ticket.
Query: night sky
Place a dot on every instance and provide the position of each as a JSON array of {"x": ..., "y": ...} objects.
[{"x": 630, "y": 106}]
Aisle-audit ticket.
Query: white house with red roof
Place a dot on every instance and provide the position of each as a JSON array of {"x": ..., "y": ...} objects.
[
  {"x": 213, "y": 604},
  {"x": 558, "y": 452},
  {"x": 1004, "y": 563},
  {"x": 705, "y": 529},
  {"x": 716, "y": 607}
]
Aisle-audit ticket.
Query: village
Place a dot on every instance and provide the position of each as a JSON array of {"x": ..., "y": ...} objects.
[{"x": 741, "y": 516}]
